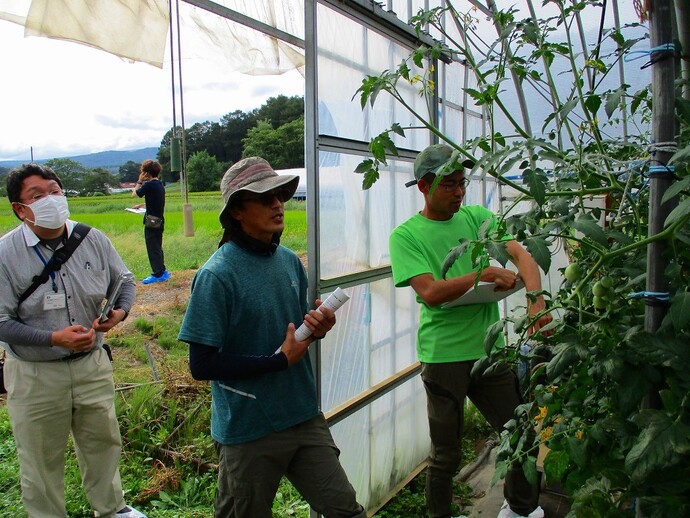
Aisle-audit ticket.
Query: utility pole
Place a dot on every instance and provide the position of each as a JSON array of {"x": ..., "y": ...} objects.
[{"x": 661, "y": 19}]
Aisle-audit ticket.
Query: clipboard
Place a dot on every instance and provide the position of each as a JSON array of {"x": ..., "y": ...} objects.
[
  {"x": 483, "y": 293},
  {"x": 112, "y": 297}
]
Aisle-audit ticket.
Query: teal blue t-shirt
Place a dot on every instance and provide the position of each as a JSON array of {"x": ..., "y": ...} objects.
[
  {"x": 419, "y": 246},
  {"x": 242, "y": 302}
]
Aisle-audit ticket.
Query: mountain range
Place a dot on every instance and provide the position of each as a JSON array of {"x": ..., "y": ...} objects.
[{"x": 110, "y": 160}]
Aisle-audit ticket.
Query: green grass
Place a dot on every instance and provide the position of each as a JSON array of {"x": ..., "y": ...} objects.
[
  {"x": 125, "y": 229},
  {"x": 10, "y": 494}
]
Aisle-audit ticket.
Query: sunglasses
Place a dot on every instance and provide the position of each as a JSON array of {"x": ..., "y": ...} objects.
[{"x": 266, "y": 198}]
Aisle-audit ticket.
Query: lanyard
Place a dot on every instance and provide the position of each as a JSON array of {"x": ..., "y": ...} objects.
[{"x": 52, "y": 274}]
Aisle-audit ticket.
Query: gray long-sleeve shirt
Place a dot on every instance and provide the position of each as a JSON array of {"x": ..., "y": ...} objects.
[{"x": 82, "y": 283}]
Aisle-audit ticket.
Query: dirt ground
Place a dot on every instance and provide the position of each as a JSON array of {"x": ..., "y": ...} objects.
[
  {"x": 159, "y": 297},
  {"x": 152, "y": 300}
]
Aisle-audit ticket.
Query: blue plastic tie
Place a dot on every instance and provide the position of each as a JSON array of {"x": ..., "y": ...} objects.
[
  {"x": 659, "y": 171},
  {"x": 669, "y": 47},
  {"x": 656, "y": 295}
]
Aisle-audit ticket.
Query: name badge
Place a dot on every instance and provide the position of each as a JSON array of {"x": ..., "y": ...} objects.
[{"x": 54, "y": 301}]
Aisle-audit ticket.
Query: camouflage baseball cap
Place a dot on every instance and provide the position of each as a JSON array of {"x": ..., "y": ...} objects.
[{"x": 439, "y": 159}]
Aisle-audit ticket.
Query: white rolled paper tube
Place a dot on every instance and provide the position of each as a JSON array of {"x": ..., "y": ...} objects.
[{"x": 333, "y": 302}]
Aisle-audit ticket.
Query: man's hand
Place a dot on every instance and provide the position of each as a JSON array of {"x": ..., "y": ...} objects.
[
  {"x": 75, "y": 338},
  {"x": 319, "y": 322},
  {"x": 291, "y": 348},
  {"x": 533, "y": 310},
  {"x": 505, "y": 279},
  {"x": 114, "y": 317}
]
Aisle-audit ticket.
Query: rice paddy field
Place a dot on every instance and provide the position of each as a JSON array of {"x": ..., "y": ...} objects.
[{"x": 125, "y": 229}]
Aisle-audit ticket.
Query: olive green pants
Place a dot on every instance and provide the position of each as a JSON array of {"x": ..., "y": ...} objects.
[
  {"x": 249, "y": 473},
  {"x": 496, "y": 395}
]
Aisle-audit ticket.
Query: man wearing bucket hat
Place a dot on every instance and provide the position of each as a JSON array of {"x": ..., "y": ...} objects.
[
  {"x": 240, "y": 326},
  {"x": 450, "y": 340}
]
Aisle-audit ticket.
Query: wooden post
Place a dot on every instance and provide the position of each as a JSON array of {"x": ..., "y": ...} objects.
[
  {"x": 683, "y": 17},
  {"x": 663, "y": 131}
]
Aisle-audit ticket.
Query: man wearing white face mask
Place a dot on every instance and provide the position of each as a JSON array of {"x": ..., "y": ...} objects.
[{"x": 58, "y": 376}]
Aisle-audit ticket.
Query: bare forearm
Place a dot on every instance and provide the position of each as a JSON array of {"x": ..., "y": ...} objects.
[{"x": 437, "y": 291}]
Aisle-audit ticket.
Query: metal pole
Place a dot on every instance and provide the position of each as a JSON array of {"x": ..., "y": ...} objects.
[
  {"x": 311, "y": 163},
  {"x": 187, "y": 218}
]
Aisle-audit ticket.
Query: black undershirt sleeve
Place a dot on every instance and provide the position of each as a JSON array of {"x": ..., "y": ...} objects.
[{"x": 208, "y": 363}]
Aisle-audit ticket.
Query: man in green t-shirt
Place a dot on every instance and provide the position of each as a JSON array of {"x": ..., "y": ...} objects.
[{"x": 450, "y": 340}]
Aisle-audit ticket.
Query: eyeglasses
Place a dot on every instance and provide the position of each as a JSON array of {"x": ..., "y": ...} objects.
[
  {"x": 266, "y": 198},
  {"x": 38, "y": 196},
  {"x": 452, "y": 186}
]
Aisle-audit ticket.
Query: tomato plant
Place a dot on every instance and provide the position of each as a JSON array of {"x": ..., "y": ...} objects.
[{"x": 590, "y": 391}]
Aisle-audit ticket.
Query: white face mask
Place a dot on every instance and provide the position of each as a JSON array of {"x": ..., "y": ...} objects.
[{"x": 50, "y": 211}]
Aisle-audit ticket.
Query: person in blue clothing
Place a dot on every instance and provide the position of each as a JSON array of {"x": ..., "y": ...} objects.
[
  {"x": 240, "y": 327},
  {"x": 150, "y": 187}
]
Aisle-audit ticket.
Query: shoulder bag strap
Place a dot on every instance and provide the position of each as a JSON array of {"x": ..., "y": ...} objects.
[{"x": 58, "y": 259}]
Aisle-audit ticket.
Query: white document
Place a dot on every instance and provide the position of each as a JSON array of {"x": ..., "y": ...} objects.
[
  {"x": 333, "y": 302},
  {"x": 136, "y": 211},
  {"x": 483, "y": 293}
]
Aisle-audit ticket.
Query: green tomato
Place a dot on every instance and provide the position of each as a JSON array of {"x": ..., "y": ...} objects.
[
  {"x": 573, "y": 272},
  {"x": 607, "y": 282},
  {"x": 598, "y": 290},
  {"x": 599, "y": 303}
]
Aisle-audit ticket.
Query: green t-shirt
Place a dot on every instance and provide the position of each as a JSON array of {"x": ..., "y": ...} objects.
[
  {"x": 243, "y": 302},
  {"x": 419, "y": 246}
]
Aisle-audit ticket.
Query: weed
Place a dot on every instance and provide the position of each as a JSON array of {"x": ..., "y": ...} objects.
[
  {"x": 288, "y": 502},
  {"x": 125, "y": 230},
  {"x": 193, "y": 493},
  {"x": 9, "y": 469},
  {"x": 144, "y": 325}
]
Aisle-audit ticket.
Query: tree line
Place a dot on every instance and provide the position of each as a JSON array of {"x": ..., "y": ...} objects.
[
  {"x": 76, "y": 179},
  {"x": 274, "y": 131}
]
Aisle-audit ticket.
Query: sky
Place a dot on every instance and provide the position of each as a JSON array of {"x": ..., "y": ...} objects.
[
  {"x": 62, "y": 99},
  {"x": 66, "y": 99}
]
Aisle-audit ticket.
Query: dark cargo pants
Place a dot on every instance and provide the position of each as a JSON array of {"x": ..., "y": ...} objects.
[
  {"x": 496, "y": 395},
  {"x": 153, "y": 237}
]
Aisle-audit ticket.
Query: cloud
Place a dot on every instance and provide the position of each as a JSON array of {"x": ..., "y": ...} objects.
[{"x": 63, "y": 99}]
